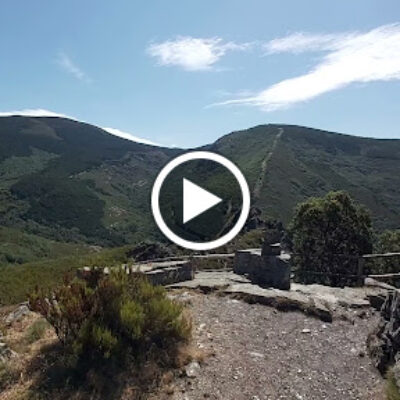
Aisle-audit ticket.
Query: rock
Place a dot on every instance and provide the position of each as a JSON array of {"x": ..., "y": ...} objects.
[
  {"x": 149, "y": 251},
  {"x": 376, "y": 300},
  {"x": 193, "y": 369},
  {"x": 255, "y": 354},
  {"x": 5, "y": 352},
  {"x": 384, "y": 342},
  {"x": 306, "y": 331},
  {"x": 17, "y": 314}
]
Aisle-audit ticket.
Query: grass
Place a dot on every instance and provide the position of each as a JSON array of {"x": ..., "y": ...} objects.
[
  {"x": 392, "y": 391},
  {"x": 7, "y": 375},
  {"x": 16, "y": 281},
  {"x": 17, "y": 247},
  {"x": 36, "y": 331}
]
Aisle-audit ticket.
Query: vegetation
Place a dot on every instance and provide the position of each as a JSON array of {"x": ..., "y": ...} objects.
[
  {"x": 388, "y": 242},
  {"x": 73, "y": 182},
  {"x": 36, "y": 331},
  {"x": 308, "y": 162},
  {"x": 16, "y": 281},
  {"x": 111, "y": 318},
  {"x": 328, "y": 234},
  {"x": 17, "y": 247},
  {"x": 7, "y": 375},
  {"x": 392, "y": 391}
]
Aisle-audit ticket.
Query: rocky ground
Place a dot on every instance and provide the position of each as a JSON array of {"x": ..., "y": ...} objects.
[
  {"x": 247, "y": 351},
  {"x": 258, "y": 353}
]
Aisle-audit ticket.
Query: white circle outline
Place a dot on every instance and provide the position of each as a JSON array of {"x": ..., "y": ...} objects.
[{"x": 196, "y": 155}]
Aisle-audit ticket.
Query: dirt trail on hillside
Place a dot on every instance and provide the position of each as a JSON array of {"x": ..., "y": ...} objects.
[
  {"x": 260, "y": 181},
  {"x": 260, "y": 354}
]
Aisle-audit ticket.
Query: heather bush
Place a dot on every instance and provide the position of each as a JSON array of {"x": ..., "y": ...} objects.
[
  {"x": 112, "y": 318},
  {"x": 36, "y": 331}
]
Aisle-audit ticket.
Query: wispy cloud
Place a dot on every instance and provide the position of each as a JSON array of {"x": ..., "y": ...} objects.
[
  {"x": 352, "y": 58},
  {"x": 33, "y": 112},
  {"x": 39, "y": 112},
  {"x": 129, "y": 136},
  {"x": 193, "y": 54},
  {"x": 302, "y": 42},
  {"x": 66, "y": 63}
]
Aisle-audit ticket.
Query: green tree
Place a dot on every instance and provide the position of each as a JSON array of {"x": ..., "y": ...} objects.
[{"x": 328, "y": 234}]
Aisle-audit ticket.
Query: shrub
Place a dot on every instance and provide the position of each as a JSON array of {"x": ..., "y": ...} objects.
[
  {"x": 36, "y": 331},
  {"x": 328, "y": 235},
  {"x": 392, "y": 391},
  {"x": 112, "y": 318},
  {"x": 7, "y": 375}
]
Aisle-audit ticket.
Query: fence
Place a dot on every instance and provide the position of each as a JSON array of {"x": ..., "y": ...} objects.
[{"x": 357, "y": 274}]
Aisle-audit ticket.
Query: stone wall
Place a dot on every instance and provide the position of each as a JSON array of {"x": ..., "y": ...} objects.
[
  {"x": 158, "y": 273},
  {"x": 266, "y": 267}
]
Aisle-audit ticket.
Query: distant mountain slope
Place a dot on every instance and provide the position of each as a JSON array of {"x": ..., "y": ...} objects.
[
  {"x": 70, "y": 181},
  {"x": 287, "y": 164}
]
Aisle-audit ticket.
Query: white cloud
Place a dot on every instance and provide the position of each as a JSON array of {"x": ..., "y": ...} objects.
[
  {"x": 46, "y": 113},
  {"x": 302, "y": 42},
  {"x": 351, "y": 58},
  {"x": 192, "y": 54},
  {"x": 66, "y": 63},
  {"x": 37, "y": 112},
  {"x": 129, "y": 136}
]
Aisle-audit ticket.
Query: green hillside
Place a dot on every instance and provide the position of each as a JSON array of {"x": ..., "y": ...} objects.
[
  {"x": 70, "y": 181},
  {"x": 287, "y": 164},
  {"x": 63, "y": 181},
  {"x": 18, "y": 247}
]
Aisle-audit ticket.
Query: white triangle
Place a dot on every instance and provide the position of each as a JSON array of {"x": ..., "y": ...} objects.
[{"x": 196, "y": 200}]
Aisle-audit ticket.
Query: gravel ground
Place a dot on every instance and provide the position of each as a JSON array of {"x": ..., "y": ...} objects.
[{"x": 260, "y": 354}]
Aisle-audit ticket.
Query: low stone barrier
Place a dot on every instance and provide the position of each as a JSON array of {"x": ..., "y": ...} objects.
[
  {"x": 266, "y": 267},
  {"x": 166, "y": 273},
  {"x": 158, "y": 273}
]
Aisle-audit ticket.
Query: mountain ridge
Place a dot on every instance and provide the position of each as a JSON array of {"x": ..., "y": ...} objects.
[{"x": 74, "y": 182}]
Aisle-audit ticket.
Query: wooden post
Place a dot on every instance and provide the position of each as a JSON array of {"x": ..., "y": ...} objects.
[{"x": 360, "y": 270}]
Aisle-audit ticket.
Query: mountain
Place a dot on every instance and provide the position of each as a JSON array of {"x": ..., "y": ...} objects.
[
  {"x": 73, "y": 182},
  {"x": 286, "y": 164}
]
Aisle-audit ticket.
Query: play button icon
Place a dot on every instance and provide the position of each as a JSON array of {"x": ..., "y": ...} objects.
[
  {"x": 200, "y": 200},
  {"x": 196, "y": 200}
]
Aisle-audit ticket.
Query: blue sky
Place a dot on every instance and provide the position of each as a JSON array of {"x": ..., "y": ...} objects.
[{"x": 184, "y": 73}]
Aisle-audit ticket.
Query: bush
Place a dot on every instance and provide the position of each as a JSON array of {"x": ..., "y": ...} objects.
[
  {"x": 7, "y": 375},
  {"x": 112, "y": 318},
  {"x": 328, "y": 235},
  {"x": 16, "y": 281},
  {"x": 36, "y": 331},
  {"x": 392, "y": 391}
]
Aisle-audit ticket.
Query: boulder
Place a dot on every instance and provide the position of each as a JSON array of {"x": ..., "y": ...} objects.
[
  {"x": 384, "y": 342},
  {"x": 17, "y": 314}
]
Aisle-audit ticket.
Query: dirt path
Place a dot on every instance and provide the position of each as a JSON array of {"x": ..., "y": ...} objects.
[
  {"x": 260, "y": 354},
  {"x": 260, "y": 181}
]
